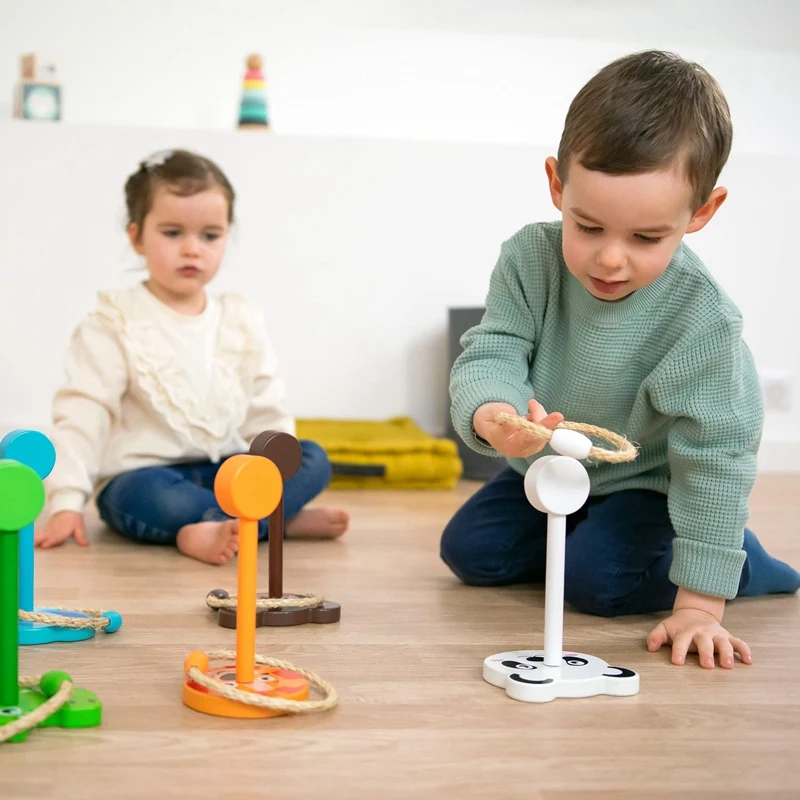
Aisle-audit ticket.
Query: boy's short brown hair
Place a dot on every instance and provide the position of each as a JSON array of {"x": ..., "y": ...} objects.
[{"x": 645, "y": 111}]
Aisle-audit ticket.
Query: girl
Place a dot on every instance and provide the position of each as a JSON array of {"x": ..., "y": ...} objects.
[{"x": 165, "y": 380}]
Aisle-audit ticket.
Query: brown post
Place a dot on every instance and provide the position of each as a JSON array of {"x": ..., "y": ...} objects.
[{"x": 276, "y": 551}]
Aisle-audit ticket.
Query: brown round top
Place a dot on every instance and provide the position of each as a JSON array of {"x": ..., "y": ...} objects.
[
  {"x": 254, "y": 62},
  {"x": 282, "y": 449}
]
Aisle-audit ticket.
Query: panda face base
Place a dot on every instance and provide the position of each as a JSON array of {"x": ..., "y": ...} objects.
[{"x": 525, "y": 677}]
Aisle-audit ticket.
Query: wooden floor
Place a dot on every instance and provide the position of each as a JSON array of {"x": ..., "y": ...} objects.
[{"x": 415, "y": 719}]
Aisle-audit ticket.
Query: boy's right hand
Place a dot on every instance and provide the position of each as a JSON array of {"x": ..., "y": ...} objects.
[
  {"x": 508, "y": 440},
  {"x": 59, "y": 528}
]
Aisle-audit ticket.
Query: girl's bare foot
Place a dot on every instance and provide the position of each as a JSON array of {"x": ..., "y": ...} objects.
[
  {"x": 212, "y": 542},
  {"x": 318, "y": 523}
]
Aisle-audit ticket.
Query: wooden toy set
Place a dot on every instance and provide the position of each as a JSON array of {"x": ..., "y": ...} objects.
[
  {"x": 30, "y": 702},
  {"x": 241, "y": 683},
  {"x": 250, "y": 487}
]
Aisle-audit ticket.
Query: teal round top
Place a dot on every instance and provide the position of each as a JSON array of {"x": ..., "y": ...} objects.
[
  {"x": 21, "y": 495},
  {"x": 31, "y": 448}
]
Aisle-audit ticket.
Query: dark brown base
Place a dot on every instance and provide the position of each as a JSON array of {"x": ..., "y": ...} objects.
[{"x": 323, "y": 613}]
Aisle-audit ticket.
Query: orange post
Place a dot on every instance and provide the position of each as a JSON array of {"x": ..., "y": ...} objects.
[{"x": 248, "y": 488}]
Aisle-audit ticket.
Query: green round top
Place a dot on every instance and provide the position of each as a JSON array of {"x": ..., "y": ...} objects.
[{"x": 21, "y": 495}]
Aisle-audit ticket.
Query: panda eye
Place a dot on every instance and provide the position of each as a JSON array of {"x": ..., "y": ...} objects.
[
  {"x": 517, "y": 665},
  {"x": 574, "y": 661}
]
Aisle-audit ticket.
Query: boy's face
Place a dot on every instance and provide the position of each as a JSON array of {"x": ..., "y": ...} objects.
[{"x": 621, "y": 231}]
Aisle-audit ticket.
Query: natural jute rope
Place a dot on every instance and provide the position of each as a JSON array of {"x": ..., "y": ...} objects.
[
  {"x": 47, "y": 708},
  {"x": 297, "y": 601},
  {"x": 625, "y": 450},
  {"x": 93, "y": 618},
  {"x": 275, "y": 703}
]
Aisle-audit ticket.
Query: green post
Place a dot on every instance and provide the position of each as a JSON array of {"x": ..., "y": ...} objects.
[
  {"x": 21, "y": 501},
  {"x": 9, "y": 659}
]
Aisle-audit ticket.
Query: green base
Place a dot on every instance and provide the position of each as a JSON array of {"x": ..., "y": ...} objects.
[{"x": 82, "y": 710}]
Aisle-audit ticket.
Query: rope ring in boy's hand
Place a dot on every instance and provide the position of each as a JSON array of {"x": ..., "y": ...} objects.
[{"x": 625, "y": 450}]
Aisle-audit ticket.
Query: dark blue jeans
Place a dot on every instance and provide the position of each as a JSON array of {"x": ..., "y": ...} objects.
[
  {"x": 152, "y": 504},
  {"x": 618, "y": 549}
]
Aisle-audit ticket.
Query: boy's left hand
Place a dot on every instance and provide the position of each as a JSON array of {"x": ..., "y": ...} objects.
[{"x": 692, "y": 630}]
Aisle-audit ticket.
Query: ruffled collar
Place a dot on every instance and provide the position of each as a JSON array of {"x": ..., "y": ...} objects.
[{"x": 209, "y": 422}]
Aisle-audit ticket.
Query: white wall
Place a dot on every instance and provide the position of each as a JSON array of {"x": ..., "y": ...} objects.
[
  {"x": 472, "y": 70},
  {"x": 408, "y": 140}
]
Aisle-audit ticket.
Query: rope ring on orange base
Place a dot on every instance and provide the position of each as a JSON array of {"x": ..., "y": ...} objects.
[{"x": 330, "y": 699}]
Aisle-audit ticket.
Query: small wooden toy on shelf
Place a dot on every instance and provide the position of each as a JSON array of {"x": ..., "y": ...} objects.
[
  {"x": 559, "y": 486},
  {"x": 253, "y": 104},
  {"x": 274, "y": 608},
  {"x": 45, "y": 625},
  {"x": 249, "y": 488},
  {"x": 50, "y": 700},
  {"x": 38, "y": 93}
]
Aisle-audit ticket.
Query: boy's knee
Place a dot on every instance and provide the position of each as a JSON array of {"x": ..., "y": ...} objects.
[{"x": 471, "y": 568}]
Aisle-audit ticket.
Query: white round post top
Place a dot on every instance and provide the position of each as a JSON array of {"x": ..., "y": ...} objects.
[{"x": 557, "y": 485}]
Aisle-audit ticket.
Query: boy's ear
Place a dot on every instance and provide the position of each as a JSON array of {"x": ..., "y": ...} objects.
[
  {"x": 554, "y": 182},
  {"x": 703, "y": 214},
  {"x": 135, "y": 238}
]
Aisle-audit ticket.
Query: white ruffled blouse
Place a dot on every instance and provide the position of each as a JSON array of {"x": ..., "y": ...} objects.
[{"x": 129, "y": 401}]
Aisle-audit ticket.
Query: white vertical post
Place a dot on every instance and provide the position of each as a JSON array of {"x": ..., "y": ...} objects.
[{"x": 554, "y": 590}]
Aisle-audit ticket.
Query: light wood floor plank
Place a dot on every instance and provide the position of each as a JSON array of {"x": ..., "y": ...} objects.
[{"x": 416, "y": 719}]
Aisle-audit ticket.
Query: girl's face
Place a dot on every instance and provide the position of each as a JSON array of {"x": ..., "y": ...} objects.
[{"x": 183, "y": 240}]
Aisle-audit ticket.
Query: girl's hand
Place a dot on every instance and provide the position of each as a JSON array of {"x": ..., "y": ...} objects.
[
  {"x": 508, "y": 440},
  {"x": 59, "y": 528},
  {"x": 692, "y": 630}
]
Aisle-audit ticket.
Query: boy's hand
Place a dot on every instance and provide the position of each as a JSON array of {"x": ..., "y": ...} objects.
[
  {"x": 59, "y": 528},
  {"x": 698, "y": 630},
  {"x": 508, "y": 440}
]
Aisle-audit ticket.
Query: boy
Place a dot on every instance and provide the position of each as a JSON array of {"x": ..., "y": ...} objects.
[{"x": 609, "y": 318}]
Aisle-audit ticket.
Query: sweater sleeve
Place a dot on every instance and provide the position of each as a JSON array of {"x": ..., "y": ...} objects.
[
  {"x": 709, "y": 390},
  {"x": 267, "y": 410},
  {"x": 83, "y": 410},
  {"x": 494, "y": 366}
]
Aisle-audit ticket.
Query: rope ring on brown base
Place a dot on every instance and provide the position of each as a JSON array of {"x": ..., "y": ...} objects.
[{"x": 293, "y": 601}]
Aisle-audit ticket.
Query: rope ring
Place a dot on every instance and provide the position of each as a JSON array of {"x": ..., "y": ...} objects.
[
  {"x": 98, "y": 620},
  {"x": 296, "y": 601},
  {"x": 624, "y": 450},
  {"x": 30, "y": 721},
  {"x": 330, "y": 699}
]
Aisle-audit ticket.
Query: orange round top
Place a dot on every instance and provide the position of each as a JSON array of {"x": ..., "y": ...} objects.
[{"x": 248, "y": 487}]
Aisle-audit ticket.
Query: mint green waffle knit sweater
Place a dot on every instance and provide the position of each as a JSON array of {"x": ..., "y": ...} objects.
[{"x": 666, "y": 367}]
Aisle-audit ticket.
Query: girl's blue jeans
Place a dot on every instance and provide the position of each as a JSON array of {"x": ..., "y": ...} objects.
[{"x": 152, "y": 504}]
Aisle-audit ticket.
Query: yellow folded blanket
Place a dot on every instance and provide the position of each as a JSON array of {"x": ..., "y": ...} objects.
[{"x": 390, "y": 454}]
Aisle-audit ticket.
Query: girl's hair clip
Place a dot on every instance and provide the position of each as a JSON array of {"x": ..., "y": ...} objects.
[{"x": 156, "y": 160}]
